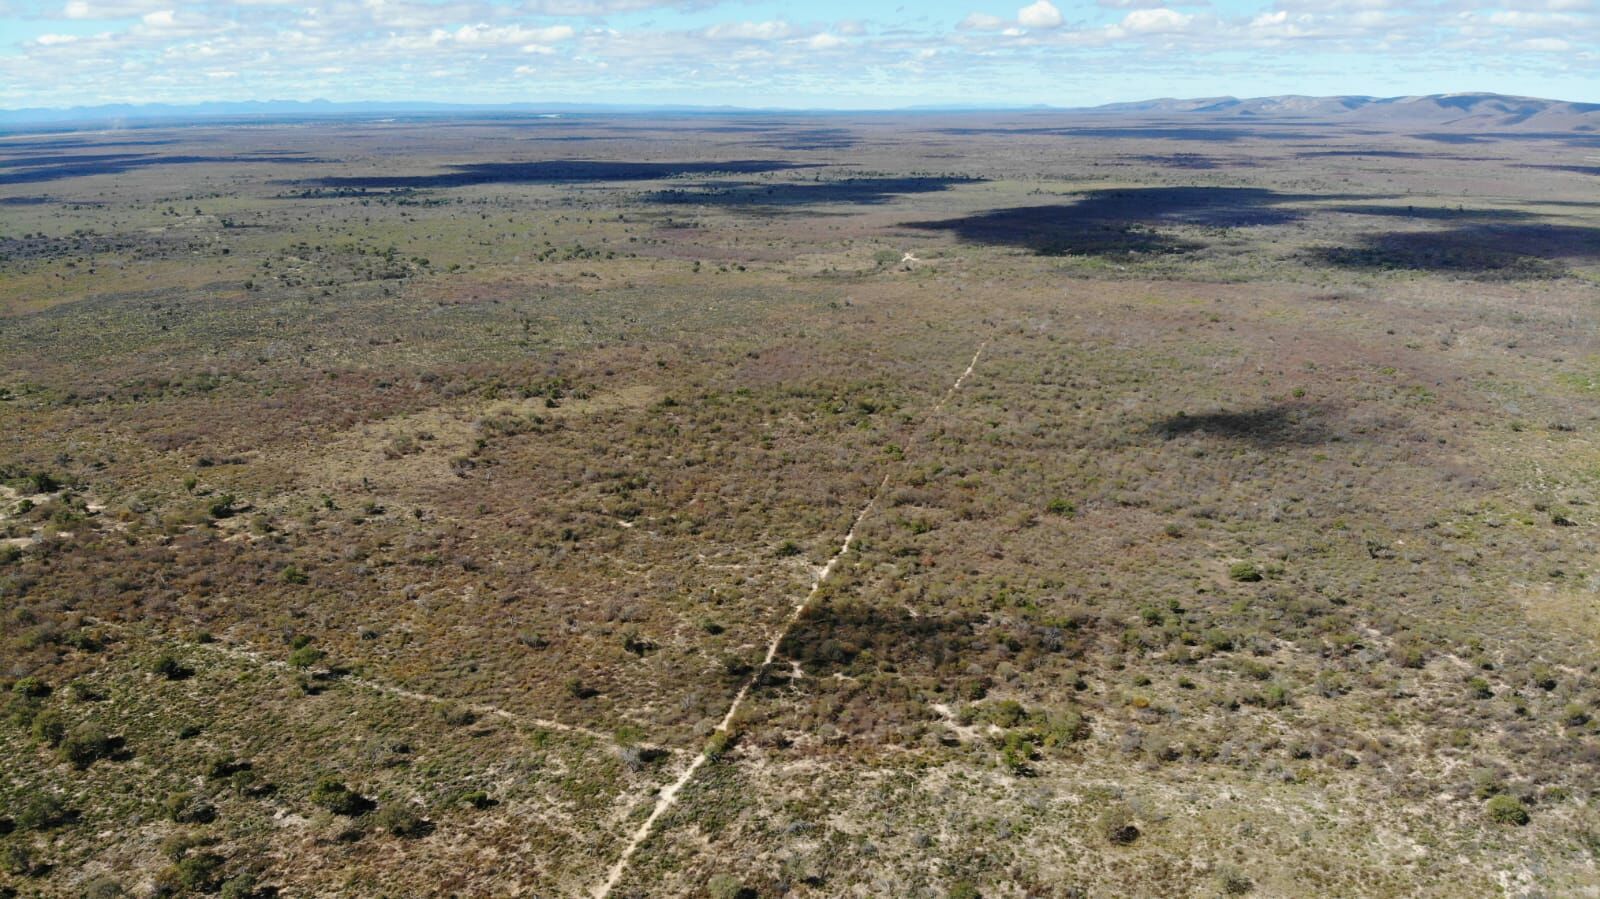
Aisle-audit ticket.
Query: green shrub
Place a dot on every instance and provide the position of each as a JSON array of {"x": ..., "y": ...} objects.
[
  {"x": 1233, "y": 882},
  {"x": 1244, "y": 571},
  {"x": 1504, "y": 809},
  {"x": 333, "y": 795},
  {"x": 223, "y": 767},
  {"x": 103, "y": 887},
  {"x": 478, "y": 799},
  {"x": 49, "y": 728},
  {"x": 726, "y": 886},
  {"x": 177, "y": 845},
  {"x": 170, "y": 667},
  {"x": 244, "y": 886},
  {"x": 964, "y": 889},
  {"x": 400, "y": 820},
  {"x": 19, "y": 861},
  {"x": 1016, "y": 752},
  {"x": 86, "y": 745},
  {"x": 719, "y": 744},
  {"x": 1277, "y": 696},
  {"x": 1062, "y": 728},
  {"x": 187, "y": 808},
  {"x": 41, "y": 811},
  {"x": 201, "y": 872},
  {"x": 1409, "y": 653},
  {"x": 31, "y": 687},
  {"x": 83, "y": 692},
  {"x": 245, "y": 782},
  {"x": 306, "y": 656},
  {"x": 1007, "y": 713},
  {"x": 222, "y": 507}
]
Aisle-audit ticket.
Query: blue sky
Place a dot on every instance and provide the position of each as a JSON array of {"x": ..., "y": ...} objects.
[{"x": 833, "y": 53}]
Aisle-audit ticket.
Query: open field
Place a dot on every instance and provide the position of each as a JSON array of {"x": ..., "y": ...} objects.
[{"x": 885, "y": 505}]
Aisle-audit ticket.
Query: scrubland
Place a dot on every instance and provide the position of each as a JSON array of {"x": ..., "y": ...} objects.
[{"x": 397, "y": 508}]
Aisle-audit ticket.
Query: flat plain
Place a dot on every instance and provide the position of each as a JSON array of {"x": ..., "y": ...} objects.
[{"x": 925, "y": 505}]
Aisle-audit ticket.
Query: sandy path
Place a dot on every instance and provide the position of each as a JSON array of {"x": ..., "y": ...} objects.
[{"x": 484, "y": 709}]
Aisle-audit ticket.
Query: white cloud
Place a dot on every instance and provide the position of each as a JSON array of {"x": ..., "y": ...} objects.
[
  {"x": 981, "y": 22},
  {"x": 510, "y": 35},
  {"x": 1041, "y": 14},
  {"x": 1155, "y": 21},
  {"x": 608, "y": 7},
  {"x": 776, "y": 29},
  {"x": 110, "y": 9},
  {"x": 1512, "y": 18},
  {"x": 174, "y": 49},
  {"x": 1543, "y": 45}
]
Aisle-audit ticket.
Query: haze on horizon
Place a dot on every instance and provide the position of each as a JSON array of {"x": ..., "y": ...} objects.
[{"x": 827, "y": 54}]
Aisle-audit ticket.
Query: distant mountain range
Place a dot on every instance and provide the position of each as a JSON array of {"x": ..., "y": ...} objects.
[
  {"x": 1487, "y": 112},
  {"x": 1469, "y": 111}
]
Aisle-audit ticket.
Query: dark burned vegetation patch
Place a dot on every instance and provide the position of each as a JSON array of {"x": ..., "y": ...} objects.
[
  {"x": 855, "y": 191},
  {"x": 782, "y": 135},
  {"x": 856, "y": 638},
  {"x": 1120, "y": 223},
  {"x": 1194, "y": 161},
  {"x": 1373, "y": 152},
  {"x": 1580, "y": 169},
  {"x": 850, "y": 637},
  {"x": 1270, "y": 426},
  {"x": 557, "y": 171},
  {"x": 1434, "y": 213},
  {"x": 1509, "y": 253},
  {"x": 42, "y": 169},
  {"x": 82, "y": 245}
]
